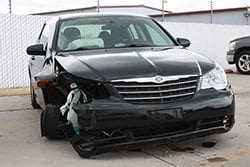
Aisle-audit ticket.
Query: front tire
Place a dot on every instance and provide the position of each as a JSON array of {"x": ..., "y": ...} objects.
[
  {"x": 33, "y": 98},
  {"x": 51, "y": 119},
  {"x": 243, "y": 62}
]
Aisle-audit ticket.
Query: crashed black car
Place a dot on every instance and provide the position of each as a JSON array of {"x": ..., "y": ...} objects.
[{"x": 116, "y": 81}]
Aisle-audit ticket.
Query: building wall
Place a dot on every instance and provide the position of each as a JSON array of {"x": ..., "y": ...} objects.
[
  {"x": 18, "y": 32},
  {"x": 210, "y": 40},
  {"x": 236, "y": 18},
  {"x": 228, "y": 18},
  {"x": 70, "y": 12},
  {"x": 137, "y": 10}
]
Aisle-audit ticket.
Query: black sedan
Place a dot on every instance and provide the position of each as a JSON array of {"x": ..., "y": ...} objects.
[{"x": 113, "y": 81}]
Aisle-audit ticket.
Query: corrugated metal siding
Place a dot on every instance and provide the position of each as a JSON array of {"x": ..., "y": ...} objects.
[
  {"x": 211, "y": 40},
  {"x": 16, "y": 33},
  {"x": 199, "y": 18},
  {"x": 236, "y": 18},
  {"x": 137, "y": 10},
  {"x": 70, "y": 12},
  {"x": 229, "y": 18}
]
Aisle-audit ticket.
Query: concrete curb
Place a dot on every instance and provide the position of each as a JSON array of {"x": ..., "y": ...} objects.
[{"x": 14, "y": 92}]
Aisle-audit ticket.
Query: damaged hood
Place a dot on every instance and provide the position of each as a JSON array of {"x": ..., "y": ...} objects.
[{"x": 116, "y": 64}]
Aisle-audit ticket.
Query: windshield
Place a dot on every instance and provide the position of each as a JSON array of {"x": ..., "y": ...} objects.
[{"x": 110, "y": 32}]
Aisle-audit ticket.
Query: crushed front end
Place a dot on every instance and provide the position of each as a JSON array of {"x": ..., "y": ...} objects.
[{"x": 128, "y": 113}]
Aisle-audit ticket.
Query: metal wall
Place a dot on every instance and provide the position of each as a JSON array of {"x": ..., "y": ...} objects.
[
  {"x": 70, "y": 12},
  {"x": 228, "y": 18},
  {"x": 136, "y": 10},
  {"x": 210, "y": 40},
  {"x": 18, "y": 32}
]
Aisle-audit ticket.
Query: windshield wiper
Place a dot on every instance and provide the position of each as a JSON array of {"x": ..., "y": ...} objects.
[
  {"x": 139, "y": 45},
  {"x": 169, "y": 47},
  {"x": 82, "y": 48},
  {"x": 78, "y": 49}
]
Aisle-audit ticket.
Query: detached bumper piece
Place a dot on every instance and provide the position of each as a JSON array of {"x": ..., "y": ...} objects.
[{"x": 114, "y": 140}]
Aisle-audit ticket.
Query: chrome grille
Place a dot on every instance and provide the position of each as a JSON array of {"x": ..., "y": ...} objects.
[{"x": 150, "y": 92}]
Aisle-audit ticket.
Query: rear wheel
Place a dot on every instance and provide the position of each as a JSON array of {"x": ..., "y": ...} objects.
[
  {"x": 51, "y": 122},
  {"x": 243, "y": 62}
]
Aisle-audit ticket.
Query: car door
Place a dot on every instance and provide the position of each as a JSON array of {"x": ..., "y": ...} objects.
[{"x": 36, "y": 62}]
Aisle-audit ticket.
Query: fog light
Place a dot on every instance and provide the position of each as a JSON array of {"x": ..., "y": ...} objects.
[{"x": 225, "y": 120}]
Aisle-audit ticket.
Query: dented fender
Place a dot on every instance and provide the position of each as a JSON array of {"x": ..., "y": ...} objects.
[
  {"x": 48, "y": 73},
  {"x": 78, "y": 68}
]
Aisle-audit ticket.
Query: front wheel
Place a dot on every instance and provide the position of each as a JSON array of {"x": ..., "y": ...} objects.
[
  {"x": 51, "y": 121},
  {"x": 243, "y": 62}
]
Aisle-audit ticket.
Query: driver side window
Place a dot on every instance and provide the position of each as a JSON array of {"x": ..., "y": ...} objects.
[
  {"x": 155, "y": 36},
  {"x": 43, "y": 38}
]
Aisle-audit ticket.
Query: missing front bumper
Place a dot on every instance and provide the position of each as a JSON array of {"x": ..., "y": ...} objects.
[
  {"x": 133, "y": 139},
  {"x": 109, "y": 125}
]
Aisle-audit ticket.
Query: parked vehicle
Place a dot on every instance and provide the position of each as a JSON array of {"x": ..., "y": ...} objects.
[
  {"x": 116, "y": 81},
  {"x": 239, "y": 54}
]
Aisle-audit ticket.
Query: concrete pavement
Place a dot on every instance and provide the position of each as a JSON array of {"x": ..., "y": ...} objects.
[{"x": 21, "y": 144}]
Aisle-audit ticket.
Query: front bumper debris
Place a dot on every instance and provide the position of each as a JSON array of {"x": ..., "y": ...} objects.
[
  {"x": 109, "y": 125},
  {"x": 88, "y": 149}
]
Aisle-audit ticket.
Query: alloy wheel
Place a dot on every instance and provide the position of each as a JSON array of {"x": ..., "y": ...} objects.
[{"x": 244, "y": 62}]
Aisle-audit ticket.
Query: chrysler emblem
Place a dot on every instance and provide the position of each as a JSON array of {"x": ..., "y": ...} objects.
[{"x": 158, "y": 79}]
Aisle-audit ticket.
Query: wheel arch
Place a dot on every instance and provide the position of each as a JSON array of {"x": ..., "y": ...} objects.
[
  {"x": 238, "y": 51},
  {"x": 52, "y": 95}
]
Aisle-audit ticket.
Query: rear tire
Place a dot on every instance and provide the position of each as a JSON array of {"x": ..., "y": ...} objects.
[
  {"x": 51, "y": 119},
  {"x": 243, "y": 62}
]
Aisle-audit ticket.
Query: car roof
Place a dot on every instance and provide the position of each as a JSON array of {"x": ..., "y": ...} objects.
[{"x": 82, "y": 15}]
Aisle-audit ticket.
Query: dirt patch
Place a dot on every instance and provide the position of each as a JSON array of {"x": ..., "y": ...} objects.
[
  {"x": 208, "y": 144},
  {"x": 182, "y": 149},
  {"x": 229, "y": 71},
  {"x": 217, "y": 159}
]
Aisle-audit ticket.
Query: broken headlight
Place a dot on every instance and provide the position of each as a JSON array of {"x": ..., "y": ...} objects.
[{"x": 93, "y": 89}]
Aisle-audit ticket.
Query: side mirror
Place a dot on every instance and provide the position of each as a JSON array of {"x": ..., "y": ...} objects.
[
  {"x": 184, "y": 42},
  {"x": 36, "y": 50}
]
